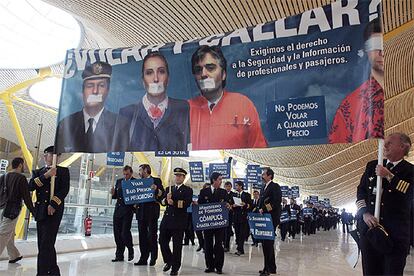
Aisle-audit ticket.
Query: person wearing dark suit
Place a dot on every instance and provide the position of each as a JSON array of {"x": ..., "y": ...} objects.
[
  {"x": 240, "y": 216},
  {"x": 255, "y": 209},
  {"x": 92, "y": 128},
  {"x": 122, "y": 220},
  {"x": 49, "y": 209},
  {"x": 270, "y": 202},
  {"x": 228, "y": 232},
  {"x": 174, "y": 222},
  {"x": 284, "y": 226},
  {"x": 213, "y": 238},
  {"x": 397, "y": 194},
  {"x": 157, "y": 122},
  {"x": 147, "y": 215},
  {"x": 294, "y": 227}
]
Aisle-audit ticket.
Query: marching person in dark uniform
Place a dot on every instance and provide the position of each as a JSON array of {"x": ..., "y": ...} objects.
[
  {"x": 345, "y": 221},
  {"x": 174, "y": 221},
  {"x": 397, "y": 182},
  {"x": 307, "y": 220},
  {"x": 255, "y": 209},
  {"x": 240, "y": 216},
  {"x": 314, "y": 218},
  {"x": 294, "y": 218},
  {"x": 284, "y": 225},
  {"x": 270, "y": 202},
  {"x": 123, "y": 215},
  {"x": 228, "y": 232},
  {"x": 147, "y": 215},
  {"x": 49, "y": 210},
  {"x": 213, "y": 238}
]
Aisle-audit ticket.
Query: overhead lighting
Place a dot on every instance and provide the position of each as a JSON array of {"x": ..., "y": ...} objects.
[
  {"x": 47, "y": 92},
  {"x": 35, "y": 34}
]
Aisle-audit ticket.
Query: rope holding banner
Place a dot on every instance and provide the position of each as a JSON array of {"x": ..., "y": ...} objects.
[{"x": 379, "y": 179}]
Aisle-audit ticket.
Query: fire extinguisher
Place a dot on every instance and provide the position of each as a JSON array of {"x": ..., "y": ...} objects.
[{"x": 87, "y": 224}]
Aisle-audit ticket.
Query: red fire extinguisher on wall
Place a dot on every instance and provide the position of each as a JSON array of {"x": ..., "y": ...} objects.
[{"x": 87, "y": 225}]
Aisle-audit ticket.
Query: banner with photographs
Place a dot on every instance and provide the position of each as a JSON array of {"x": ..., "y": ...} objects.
[{"x": 313, "y": 78}]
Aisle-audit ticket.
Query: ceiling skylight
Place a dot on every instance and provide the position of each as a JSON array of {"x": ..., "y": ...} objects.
[{"x": 47, "y": 92}]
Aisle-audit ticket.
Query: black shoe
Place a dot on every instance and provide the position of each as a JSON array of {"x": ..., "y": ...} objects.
[
  {"x": 130, "y": 254},
  {"x": 15, "y": 260},
  {"x": 174, "y": 273},
  {"x": 152, "y": 262},
  {"x": 166, "y": 267},
  {"x": 239, "y": 253},
  {"x": 192, "y": 243},
  {"x": 117, "y": 260},
  {"x": 199, "y": 249},
  {"x": 219, "y": 271},
  {"x": 208, "y": 270},
  {"x": 226, "y": 250},
  {"x": 141, "y": 262},
  {"x": 253, "y": 244}
]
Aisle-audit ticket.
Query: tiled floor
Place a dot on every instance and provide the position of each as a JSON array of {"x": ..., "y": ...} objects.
[{"x": 322, "y": 254}]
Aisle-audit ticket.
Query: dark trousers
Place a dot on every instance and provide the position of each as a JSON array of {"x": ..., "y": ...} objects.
[
  {"x": 307, "y": 226},
  {"x": 200, "y": 237},
  {"x": 375, "y": 263},
  {"x": 228, "y": 232},
  {"x": 343, "y": 228},
  {"x": 293, "y": 225},
  {"x": 122, "y": 234},
  {"x": 147, "y": 231},
  {"x": 213, "y": 246},
  {"x": 241, "y": 234},
  {"x": 173, "y": 258},
  {"x": 283, "y": 230},
  {"x": 269, "y": 256},
  {"x": 189, "y": 231},
  {"x": 47, "y": 230}
]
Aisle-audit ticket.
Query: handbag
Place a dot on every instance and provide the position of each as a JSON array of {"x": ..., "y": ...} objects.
[
  {"x": 380, "y": 239},
  {"x": 12, "y": 209}
]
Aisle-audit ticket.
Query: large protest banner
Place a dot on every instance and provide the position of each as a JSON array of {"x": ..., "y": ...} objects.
[
  {"x": 210, "y": 216},
  {"x": 312, "y": 78},
  {"x": 261, "y": 226},
  {"x": 138, "y": 191}
]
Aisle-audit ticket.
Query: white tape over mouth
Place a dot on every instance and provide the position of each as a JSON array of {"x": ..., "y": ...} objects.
[
  {"x": 156, "y": 88},
  {"x": 94, "y": 98},
  {"x": 374, "y": 43},
  {"x": 208, "y": 83}
]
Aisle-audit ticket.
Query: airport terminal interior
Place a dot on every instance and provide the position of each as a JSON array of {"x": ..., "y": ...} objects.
[{"x": 35, "y": 37}]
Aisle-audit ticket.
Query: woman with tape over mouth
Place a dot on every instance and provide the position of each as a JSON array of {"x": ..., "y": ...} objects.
[{"x": 156, "y": 122}]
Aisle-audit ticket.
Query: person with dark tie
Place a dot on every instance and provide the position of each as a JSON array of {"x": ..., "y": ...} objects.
[
  {"x": 199, "y": 233},
  {"x": 240, "y": 210},
  {"x": 284, "y": 225},
  {"x": 397, "y": 195},
  {"x": 147, "y": 215},
  {"x": 122, "y": 220},
  {"x": 255, "y": 209},
  {"x": 228, "y": 232},
  {"x": 92, "y": 128},
  {"x": 49, "y": 208},
  {"x": 174, "y": 221},
  {"x": 213, "y": 238},
  {"x": 270, "y": 202},
  {"x": 294, "y": 227}
]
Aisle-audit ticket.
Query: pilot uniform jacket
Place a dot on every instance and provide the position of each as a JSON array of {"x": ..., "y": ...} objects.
[
  {"x": 172, "y": 132},
  {"x": 176, "y": 216},
  {"x": 396, "y": 201},
  {"x": 240, "y": 212},
  {"x": 71, "y": 134},
  {"x": 271, "y": 201},
  {"x": 121, "y": 209},
  {"x": 207, "y": 196},
  {"x": 151, "y": 210},
  {"x": 41, "y": 185}
]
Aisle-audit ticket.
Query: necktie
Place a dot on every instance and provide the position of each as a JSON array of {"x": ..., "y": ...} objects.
[
  {"x": 212, "y": 106},
  {"x": 89, "y": 132},
  {"x": 155, "y": 112},
  {"x": 389, "y": 166}
]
